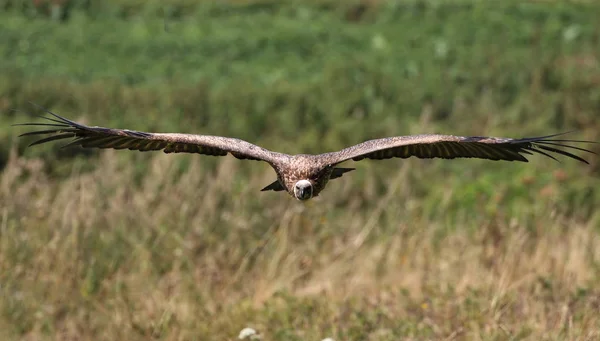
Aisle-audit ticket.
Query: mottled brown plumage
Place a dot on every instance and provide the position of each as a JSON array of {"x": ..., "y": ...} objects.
[{"x": 305, "y": 176}]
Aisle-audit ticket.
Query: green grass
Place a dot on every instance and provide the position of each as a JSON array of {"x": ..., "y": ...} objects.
[{"x": 135, "y": 246}]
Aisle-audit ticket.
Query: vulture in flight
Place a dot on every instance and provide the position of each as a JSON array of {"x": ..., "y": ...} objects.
[{"x": 305, "y": 176}]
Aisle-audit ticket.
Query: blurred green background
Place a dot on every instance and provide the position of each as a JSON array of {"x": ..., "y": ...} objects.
[{"x": 296, "y": 77}]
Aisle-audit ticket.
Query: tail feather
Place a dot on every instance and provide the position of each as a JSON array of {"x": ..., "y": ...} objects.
[
  {"x": 338, "y": 172},
  {"x": 274, "y": 186}
]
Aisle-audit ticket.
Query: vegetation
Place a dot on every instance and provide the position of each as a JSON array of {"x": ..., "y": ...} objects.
[{"x": 116, "y": 245}]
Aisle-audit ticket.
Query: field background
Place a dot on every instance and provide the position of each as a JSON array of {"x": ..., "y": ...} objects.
[{"x": 116, "y": 245}]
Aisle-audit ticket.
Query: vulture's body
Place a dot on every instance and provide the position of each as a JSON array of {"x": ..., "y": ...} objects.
[{"x": 305, "y": 176}]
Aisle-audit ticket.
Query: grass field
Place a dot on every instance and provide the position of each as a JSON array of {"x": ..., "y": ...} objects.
[{"x": 117, "y": 245}]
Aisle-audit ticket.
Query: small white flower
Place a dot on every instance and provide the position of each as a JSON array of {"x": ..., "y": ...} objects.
[
  {"x": 248, "y": 333},
  {"x": 571, "y": 33},
  {"x": 379, "y": 43},
  {"x": 441, "y": 48}
]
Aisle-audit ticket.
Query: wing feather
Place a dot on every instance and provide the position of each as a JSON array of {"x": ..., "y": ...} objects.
[
  {"x": 100, "y": 137},
  {"x": 450, "y": 147}
]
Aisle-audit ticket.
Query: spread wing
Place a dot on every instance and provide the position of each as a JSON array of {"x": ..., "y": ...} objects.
[
  {"x": 99, "y": 137},
  {"x": 450, "y": 147}
]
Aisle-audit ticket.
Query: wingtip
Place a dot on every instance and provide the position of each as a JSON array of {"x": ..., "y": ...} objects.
[{"x": 58, "y": 117}]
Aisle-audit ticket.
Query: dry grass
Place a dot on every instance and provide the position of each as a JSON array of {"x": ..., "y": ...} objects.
[{"x": 201, "y": 255}]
